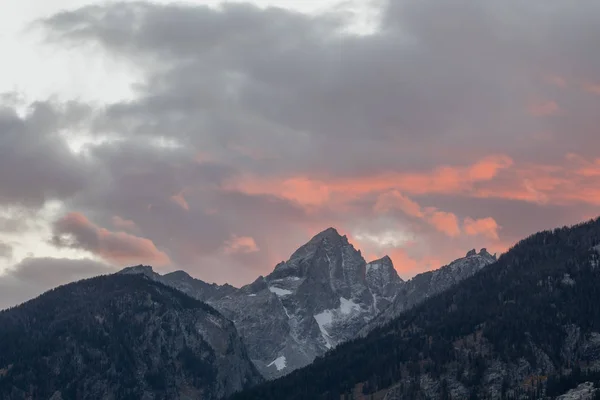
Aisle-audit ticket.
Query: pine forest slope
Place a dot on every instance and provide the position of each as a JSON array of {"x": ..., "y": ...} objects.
[{"x": 120, "y": 337}]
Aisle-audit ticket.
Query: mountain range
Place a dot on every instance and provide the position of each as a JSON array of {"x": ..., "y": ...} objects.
[
  {"x": 325, "y": 324},
  {"x": 324, "y": 295},
  {"x": 525, "y": 327}
]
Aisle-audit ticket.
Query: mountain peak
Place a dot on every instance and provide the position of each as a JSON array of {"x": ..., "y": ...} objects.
[
  {"x": 138, "y": 269},
  {"x": 329, "y": 233},
  {"x": 179, "y": 274},
  {"x": 483, "y": 253},
  {"x": 383, "y": 260}
]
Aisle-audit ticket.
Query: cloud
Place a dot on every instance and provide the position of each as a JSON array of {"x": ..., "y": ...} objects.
[
  {"x": 180, "y": 201},
  {"x": 543, "y": 108},
  {"x": 124, "y": 224},
  {"x": 74, "y": 230},
  {"x": 408, "y": 267},
  {"x": 6, "y": 251},
  {"x": 485, "y": 226},
  {"x": 394, "y": 199},
  {"x": 300, "y": 125},
  {"x": 444, "y": 179},
  {"x": 445, "y": 222},
  {"x": 593, "y": 88},
  {"x": 33, "y": 276},
  {"x": 240, "y": 244},
  {"x": 36, "y": 164}
]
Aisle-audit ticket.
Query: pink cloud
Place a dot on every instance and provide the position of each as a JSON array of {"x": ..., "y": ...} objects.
[
  {"x": 408, "y": 267},
  {"x": 575, "y": 180},
  {"x": 314, "y": 192},
  {"x": 123, "y": 224},
  {"x": 240, "y": 245},
  {"x": 555, "y": 80},
  {"x": 444, "y": 222},
  {"x": 543, "y": 108},
  {"x": 487, "y": 227},
  {"x": 74, "y": 230},
  {"x": 396, "y": 200},
  {"x": 180, "y": 201},
  {"x": 592, "y": 88}
]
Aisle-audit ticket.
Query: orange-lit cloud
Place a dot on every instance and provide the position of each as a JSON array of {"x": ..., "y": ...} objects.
[
  {"x": 543, "y": 108},
  {"x": 408, "y": 267},
  {"x": 575, "y": 180},
  {"x": 555, "y": 80},
  {"x": 74, "y": 230},
  {"x": 485, "y": 226},
  {"x": 583, "y": 167},
  {"x": 240, "y": 245},
  {"x": 312, "y": 192},
  {"x": 396, "y": 200},
  {"x": 180, "y": 201},
  {"x": 571, "y": 181},
  {"x": 593, "y": 88},
  {"x": 124, "y": 224},
  {"x": 445, "y": 222}
]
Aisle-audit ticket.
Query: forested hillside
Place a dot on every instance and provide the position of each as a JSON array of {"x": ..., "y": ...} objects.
[{"x": 120, "y": 337}]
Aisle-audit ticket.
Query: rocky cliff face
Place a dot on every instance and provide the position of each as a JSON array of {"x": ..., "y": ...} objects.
[
  {"x": 117, "y": 337},
  {"x": 309, "y": 304},
  {"x": 428, "y": 284}
]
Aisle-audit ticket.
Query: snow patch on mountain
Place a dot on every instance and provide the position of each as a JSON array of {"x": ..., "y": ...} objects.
[
  {"x": 348, "y": 306},
  {"x": 279, "y": 363},
  {"x": 324, "y": 319},
  {"x": 279, "y": 291}
]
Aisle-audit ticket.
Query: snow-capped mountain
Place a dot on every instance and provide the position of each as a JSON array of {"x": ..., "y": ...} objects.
[
  {"x": 317, "y": 299},
  {"x": 325, "y": 294},
  {"x": 430, "y": 283}
]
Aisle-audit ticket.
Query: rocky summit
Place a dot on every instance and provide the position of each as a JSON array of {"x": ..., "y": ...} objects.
[
  {"x": 324, "y": 295},
  {"x": 309, "y": 304}
]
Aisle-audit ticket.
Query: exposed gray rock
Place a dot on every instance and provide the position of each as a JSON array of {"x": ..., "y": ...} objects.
[
  {"x": 383, "y": 282},
  {"x": 428, "y": 284},
  {"x": 309, "y": 304},
  {"x": 584, "y": 391}
]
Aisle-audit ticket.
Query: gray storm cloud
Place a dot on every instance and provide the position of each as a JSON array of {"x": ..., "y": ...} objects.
[{"x": 269, "y": 125}]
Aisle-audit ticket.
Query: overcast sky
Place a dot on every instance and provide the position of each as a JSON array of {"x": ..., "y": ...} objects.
[{"x": 218, "y": 137}]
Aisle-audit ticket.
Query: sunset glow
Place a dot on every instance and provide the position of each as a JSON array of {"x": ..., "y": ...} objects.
[{"x": 218, "y": 138}]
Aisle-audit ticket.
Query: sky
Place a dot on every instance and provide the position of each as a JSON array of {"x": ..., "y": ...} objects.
[{"x": 217, "y": 137}]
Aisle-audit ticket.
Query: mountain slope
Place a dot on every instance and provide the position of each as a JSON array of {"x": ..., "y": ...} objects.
[
  {"x": 527, "y": 326},
  {"x": 430, "y": 283},
  {"x": 120, "y": 336}
]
